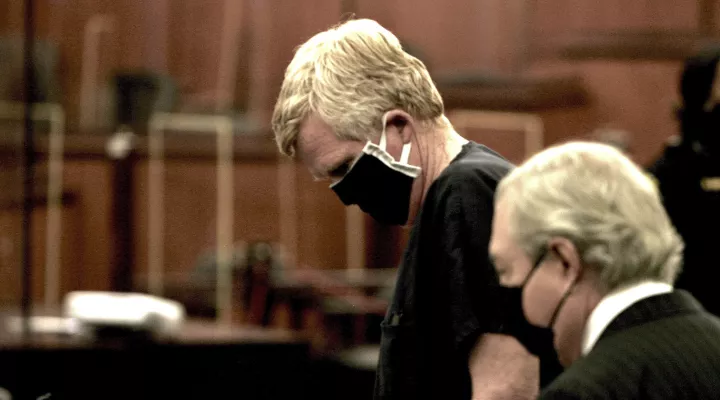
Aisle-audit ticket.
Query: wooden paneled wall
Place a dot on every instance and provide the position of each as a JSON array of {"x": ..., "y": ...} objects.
[
  {"x": 10, "y": 253},
  {"x": 190, "y": 214},
  {"x": 4, "y": 13},
  {"x": 462, "y": 35},
  {"x": 635, "y": 95},
  {"x": 184, "y": 39},
  {"x": 570, "y": 17},
  {"x": 275, "y": 32},
  {"x": 88, "y": 230},
  {"x": 85, "y": 242}
]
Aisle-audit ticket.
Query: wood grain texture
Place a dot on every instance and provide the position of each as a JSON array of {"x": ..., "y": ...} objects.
[
  {"x": 182, "y": 38},
  {"x": 569, "y": 17},
  {"x": 71, "y": 256},
  {"x": 276, "y": 31},
  {"x": 467, "y": 35},
  {"x": 190, "y": 210},
  {"x": 637, "y": 97}
]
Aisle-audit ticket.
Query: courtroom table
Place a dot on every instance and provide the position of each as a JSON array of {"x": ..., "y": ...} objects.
[{"x": 204, "y": 361}]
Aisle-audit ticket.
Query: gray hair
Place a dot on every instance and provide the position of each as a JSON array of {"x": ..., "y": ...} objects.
[{"x": 596, "y": 197}]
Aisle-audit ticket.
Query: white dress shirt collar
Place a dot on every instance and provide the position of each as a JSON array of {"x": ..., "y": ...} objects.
[{"x": 613, "y": 304}]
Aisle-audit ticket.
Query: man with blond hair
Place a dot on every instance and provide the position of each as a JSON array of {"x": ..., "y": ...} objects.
[
  {"x": 582, "y": 232},
  {"x": 365, "y": 115}
]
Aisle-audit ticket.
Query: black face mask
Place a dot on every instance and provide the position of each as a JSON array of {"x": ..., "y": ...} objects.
[
  {"x": 536, "y": 339},
  {"x": 378, "y": 184},
  {"x": 564, "y": 297}
]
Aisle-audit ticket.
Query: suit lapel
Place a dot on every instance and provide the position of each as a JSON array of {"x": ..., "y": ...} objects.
[{"x": 653, "y": 308}]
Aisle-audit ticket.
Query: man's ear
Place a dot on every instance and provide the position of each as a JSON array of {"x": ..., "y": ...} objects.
[
  {"x": 568, "y": 255},
  {"x": 399, "y": 121}
]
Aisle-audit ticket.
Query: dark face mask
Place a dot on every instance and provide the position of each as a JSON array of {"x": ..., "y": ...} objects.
[
  {"x": 564, "y": 297},
  {"x": 378, "y": 184},
  {"x": 536, "y": 339}
]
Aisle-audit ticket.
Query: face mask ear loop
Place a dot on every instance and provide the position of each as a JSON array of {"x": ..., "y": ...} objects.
[
  {"x": 405, "y": 156},
  {"x": 383, "y": 138}
]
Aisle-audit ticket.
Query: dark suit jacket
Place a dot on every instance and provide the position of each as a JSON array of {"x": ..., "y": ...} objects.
[{"x": 662, "y": 347}]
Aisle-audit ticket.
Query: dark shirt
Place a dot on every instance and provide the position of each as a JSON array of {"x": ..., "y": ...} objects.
[
  {"x": 447, "y": 293},
  {"x": 689, "y": 183}
]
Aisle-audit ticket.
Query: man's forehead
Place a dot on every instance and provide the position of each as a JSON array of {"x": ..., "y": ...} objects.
[
  {"x": 313, "y": 137},
  {"x": 307, "y": 139},
  {"x": 319, "y": 148}
]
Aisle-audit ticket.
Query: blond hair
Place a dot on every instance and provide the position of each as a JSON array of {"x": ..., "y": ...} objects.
[
  {"x": 593, "y": 195},
  {"x": 349, "y": 76}
]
